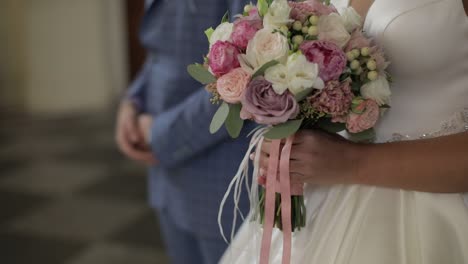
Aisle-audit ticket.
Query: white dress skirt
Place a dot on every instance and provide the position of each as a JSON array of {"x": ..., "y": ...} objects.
[{"x": 427, "y": 43}]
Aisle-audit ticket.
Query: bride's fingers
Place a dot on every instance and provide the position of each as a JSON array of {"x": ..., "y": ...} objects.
[
  {"x": 296, "y": 178},
  {"x": 264, "y": 159},
  {"x": 261, "y": 180},
  {"x": 266, "y": 146},
  {"x": 297, "y": 170},
  {"x": 298, "y": 167},
  {"x": 299, "y": 154}
]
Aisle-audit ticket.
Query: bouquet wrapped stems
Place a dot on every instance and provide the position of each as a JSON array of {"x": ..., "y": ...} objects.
[{"x": 298, "y": 211}]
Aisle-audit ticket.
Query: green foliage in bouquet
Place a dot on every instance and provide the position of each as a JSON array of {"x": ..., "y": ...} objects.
[
  {"x": 284, "y": 130},
  {"x": 201, "y": 74}
]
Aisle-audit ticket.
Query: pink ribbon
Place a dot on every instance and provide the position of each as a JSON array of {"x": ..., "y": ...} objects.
[
  {"x": 270, "y": 201},
  {"x": 286, "y": 190}
]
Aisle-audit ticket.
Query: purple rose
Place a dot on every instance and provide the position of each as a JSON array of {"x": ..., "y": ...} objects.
[
  {"x": 335, "y": 99},
  {"x": 330, "y": 58},
  {"x": 245, "y": 29},
  {"x": 262, "y": 104},
  {"x": 223, "y": 58}
]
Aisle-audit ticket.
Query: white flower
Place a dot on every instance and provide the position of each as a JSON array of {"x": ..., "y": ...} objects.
[
  {"x": 351, "y": 19},
  {"x": 277, "y": 15},
  {"x": 222, "y": 33},
  {"x": 297, "y": 75},
  {"x": 264, "y": 47},
  {"x": 378, "y": 90},
  {"x": 302, "y": 74},
  {"x": 278, "y": 76},
  {"x": 331, "y": 28}
]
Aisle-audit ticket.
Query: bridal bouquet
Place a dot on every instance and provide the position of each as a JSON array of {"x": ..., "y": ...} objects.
[{"x": 289, "y": 66}]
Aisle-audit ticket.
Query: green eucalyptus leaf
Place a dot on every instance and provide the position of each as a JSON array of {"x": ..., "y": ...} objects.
[
  {"x": 284, "y": 130},
  {"x": 201, "y": 74},
  {"x": 209, "y": 32},
  {"x": 219, "y": 118},
  {"x": 226, "y": 17},
  {"x": 233, "y": 122},
  {"x": 327, "y": 125},
  {"x": 262, "y": 6},
  {"x": 366, "y": 136},
  {"x": 265, "y": 66},
  {"x": 302, "y": 95}
]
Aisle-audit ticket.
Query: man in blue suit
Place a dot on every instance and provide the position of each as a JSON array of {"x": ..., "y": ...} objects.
[{"x": 164, "y": 122}]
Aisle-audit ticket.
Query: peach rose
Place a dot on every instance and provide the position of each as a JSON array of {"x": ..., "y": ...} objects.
[
  {"x": 232, "y": 85},
  {"x": 363, "y": 117}
]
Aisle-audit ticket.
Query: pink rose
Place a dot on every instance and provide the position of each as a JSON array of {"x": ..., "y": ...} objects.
[
  {"x": 262, "y": 104},
  {"x": 223, "y": 58},
  {"x": 378, "y": 55},
  {"x": 254, "y": 12},
  {"x": 357, "y": 41},
  {"x": 245, "y": 29},
  {"x": 335, "y": 99},
  {"x": 232, "y": 85},
  {"x": 369, "y": 114},
  {"x": 330, "y": 58},
  {"x": 302, "y": 10}
]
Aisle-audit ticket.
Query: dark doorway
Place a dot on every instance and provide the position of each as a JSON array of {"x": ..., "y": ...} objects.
[{"x": 135, "y": 10}]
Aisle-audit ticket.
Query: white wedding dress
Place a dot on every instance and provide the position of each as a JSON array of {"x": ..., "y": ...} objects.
[{"x": 427, "y": 43}]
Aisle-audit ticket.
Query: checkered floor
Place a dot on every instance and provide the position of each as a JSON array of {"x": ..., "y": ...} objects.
[{"x": 68, "y": 197}]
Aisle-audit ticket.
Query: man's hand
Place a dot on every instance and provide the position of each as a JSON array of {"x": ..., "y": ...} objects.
[
  {"x": 145, "y": 122},
  {"x": 129, "y": 137}
]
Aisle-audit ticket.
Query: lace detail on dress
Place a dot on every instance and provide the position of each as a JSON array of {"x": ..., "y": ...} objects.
[{"x": 456, "y": 124}]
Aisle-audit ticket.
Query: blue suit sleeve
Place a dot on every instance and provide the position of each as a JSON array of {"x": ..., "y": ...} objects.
[
  {"x": 183, "y": 132},
  {"x": 137, "y": 90}
]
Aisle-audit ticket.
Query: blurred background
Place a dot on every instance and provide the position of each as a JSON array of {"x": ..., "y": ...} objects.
[{"x": 66, "y": 194}]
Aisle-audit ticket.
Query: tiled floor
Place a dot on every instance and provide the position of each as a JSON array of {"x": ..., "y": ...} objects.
[{"x": 68, "y": 197}]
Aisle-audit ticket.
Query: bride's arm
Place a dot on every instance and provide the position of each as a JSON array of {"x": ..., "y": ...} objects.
[{"x": 433, "y": 165}]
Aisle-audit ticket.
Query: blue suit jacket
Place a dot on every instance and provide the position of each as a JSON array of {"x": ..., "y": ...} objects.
[{"x": 196, "y": 167}]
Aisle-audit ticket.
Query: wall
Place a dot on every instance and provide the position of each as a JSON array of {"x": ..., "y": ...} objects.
[
  {"x": 11, "y": 72},
  {"x": 68, "y": 56}
]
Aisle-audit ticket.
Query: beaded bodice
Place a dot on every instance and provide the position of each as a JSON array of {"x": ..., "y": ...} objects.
[{"x": 456, "y": 124}]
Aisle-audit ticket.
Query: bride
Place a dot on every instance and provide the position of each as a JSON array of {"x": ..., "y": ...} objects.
[{"x": 403, "y": 201}]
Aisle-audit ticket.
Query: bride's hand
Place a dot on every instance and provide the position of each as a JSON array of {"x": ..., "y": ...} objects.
[{"x": 320, "y": 158}]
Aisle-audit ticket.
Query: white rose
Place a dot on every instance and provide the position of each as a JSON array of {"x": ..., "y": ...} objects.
[
  {"x": 297, "y": 75},
  {"x": 351, "y": 19},
  {"x": 222, "y": 33},
  {"x": 378, "y": 90},
  {"x": 277, "y": 15},
  {"x": 265, "y": 47},
  {"x": 331, "y": 28}
]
